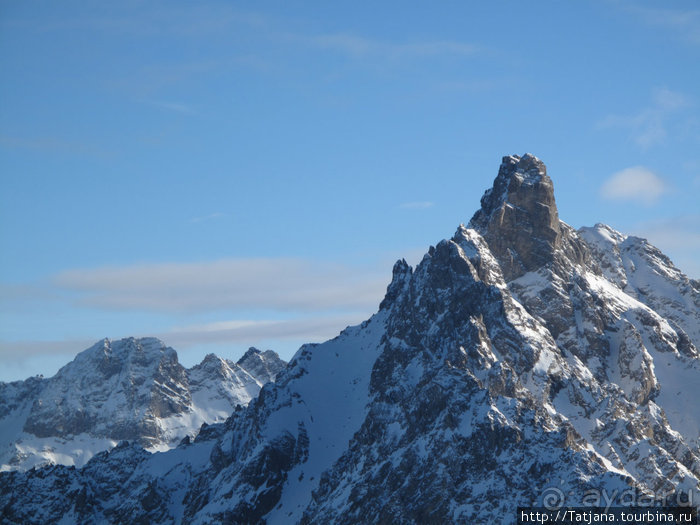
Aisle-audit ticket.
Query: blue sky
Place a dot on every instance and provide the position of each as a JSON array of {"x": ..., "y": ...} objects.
[{"x": 228, "y": 174}]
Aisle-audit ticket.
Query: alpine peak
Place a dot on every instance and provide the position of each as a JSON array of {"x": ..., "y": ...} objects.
[{"x": 518, "y": 216}]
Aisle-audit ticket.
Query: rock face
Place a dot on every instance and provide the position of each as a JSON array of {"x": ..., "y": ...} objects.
[
  {"x": 143, "y": 378},
  {"x": 132, "y": 389},
  {"x": 507, "y": 367},
  {"x": 518, "y": 216}
]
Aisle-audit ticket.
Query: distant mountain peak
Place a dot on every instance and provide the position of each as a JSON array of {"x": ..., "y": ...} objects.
[
  {"x": 125, "y": 389},
  {"x": 212, "y": 360},
  {"x": 251, "y": 353},
  {"x": 111, "y": 355},
  {"x": 264, "y": 365}
]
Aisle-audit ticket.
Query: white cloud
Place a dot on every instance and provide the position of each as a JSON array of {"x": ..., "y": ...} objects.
[
  {"x": 282, "y": 284},
  {"x": 650, "y": 126},
  {"x": 421, "y": 205},
  {"x": 360, "y": 46},
  {"x": 634, "y": 184}
]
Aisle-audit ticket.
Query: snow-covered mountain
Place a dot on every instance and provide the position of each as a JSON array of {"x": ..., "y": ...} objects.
[
  {"x": 131, "y": 389},
  {"x": 520, "y": 360}
]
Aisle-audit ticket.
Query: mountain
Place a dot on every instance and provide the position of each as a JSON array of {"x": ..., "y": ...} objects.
[
  {"x": 131, "y": 389},
  {"x": 522, "y": 362}
]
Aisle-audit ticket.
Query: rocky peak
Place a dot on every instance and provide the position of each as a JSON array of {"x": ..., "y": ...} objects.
[
  {"x": 113, "y": 389},
  {"x": 264, "y": 366},
  {"x": 211, "y": 360},
  {"x": 400, "y": 276},
  {"x": 518, "y": 216},
  {"x": 212, "y": 364},
  {"x": 129, "y": 355},
  {"x": 252, "y": 358}
]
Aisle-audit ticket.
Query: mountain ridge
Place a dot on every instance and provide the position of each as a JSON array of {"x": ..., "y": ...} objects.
[
  {"x": 133, "y": 389},
  {"x": 511, "y": 364}
]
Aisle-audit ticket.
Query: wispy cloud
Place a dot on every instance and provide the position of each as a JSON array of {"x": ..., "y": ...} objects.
[
  {"x": 361, "y": 47},
  {"x": 667, "y": 100},
  {"x": 175, "y": 107},
  {"x": 27, "y": 298},
  {"x": 682, "y": 22},
  {"x": 282, "y": 284},
  {"x": 678, "y": 237},
  {"x": 150, "y": 83},
  {"x": 637, "y": 184},
  {"x": 309, "y": 329},
  {"x": 54, "y": 145},
  {"x": 17, "y": 352},
  {"x": 209, "y": 217},
  {"x": 650, "y": 125},
  {"x": 207, "y": 337},
  {"x": 183, "y": 21},
  {"x": 419, "y": 205}
]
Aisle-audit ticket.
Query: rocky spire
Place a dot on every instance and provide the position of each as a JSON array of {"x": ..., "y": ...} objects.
[
  {"x": 401, "y": 275},
  {"x": 518, "y": 216}
]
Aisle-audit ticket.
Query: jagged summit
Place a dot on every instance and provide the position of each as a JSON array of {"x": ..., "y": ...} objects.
[
  {"x": 210, "y": 358},
  {"x": 211, "y": 366},
  {"x": 264, "y": 365},
  {"x": 142, "y": 377},
  {"x": 399, "y": 277},
  {"x": 518, "y": 216},
  {"x": 251, "y": 353},
  {"x": 108, "y": 357}
]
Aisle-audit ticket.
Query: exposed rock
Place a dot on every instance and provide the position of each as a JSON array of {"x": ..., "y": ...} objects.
[
  {"x": 131, "y": 389},
  {"x": 518, "y": 216},
  {"x": 263, "y": 365},
  {"x": 142, "y": 376}
]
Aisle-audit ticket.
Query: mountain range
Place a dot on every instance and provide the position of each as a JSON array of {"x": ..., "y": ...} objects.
[
  {"x": 522, "y": 362},
  {"x": 131, "y": 389}
]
